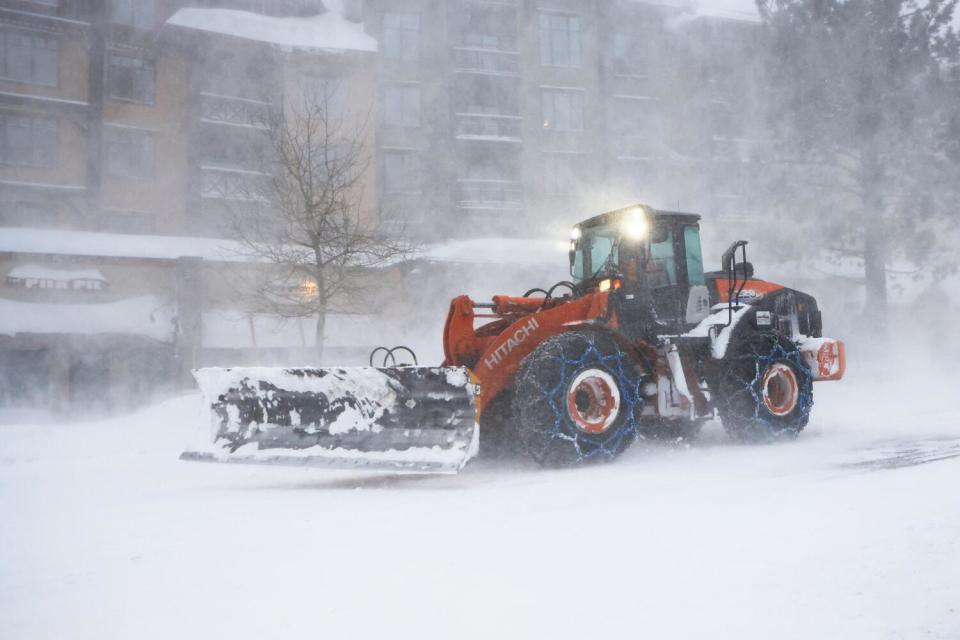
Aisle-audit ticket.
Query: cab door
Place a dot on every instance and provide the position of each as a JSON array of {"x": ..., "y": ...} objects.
[{"x": 698, "y": 296}]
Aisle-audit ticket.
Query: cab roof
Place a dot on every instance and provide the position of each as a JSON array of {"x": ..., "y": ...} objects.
[{"x": 611, "y": 216}]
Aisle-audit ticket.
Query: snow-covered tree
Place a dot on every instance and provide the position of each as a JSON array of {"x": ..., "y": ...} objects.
[{"x": 865, "y": 123}]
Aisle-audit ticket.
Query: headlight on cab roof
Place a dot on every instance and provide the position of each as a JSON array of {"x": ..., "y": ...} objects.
[{"x": 635, "y": 224}]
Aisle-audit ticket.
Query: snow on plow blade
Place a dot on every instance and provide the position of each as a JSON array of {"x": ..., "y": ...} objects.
[{"x": 403, "y": 418}]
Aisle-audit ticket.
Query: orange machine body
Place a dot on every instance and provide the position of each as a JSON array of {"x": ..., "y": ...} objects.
[
  {"x": 494, "y": 351},
  {"x": 752, "y": 289}
]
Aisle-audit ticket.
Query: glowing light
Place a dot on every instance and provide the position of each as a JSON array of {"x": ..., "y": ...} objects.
[
  {"x": 635, "y": 225},
  {"x": 575, "y": 233},
  {"x": 604, "y": 285},
  {"x": 309, "y": 289}
]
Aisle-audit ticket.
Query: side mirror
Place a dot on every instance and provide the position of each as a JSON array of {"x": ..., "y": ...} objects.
[{"x": 729, "y": 256}]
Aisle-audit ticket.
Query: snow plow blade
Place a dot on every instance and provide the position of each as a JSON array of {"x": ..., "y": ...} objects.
[{"x": 419, "y": 419}]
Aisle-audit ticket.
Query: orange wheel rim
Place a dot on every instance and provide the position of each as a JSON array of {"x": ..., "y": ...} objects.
[
  {"x": 593, "y": 401},
  {"x": 781, "y": 391}
]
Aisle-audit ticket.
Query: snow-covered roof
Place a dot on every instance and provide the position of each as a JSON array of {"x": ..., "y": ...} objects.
[
  {"x": 42, "y": 272},
  {"x": 499, "y": 251},
  {"x": 328, "y": 31},
  {"x": 143, "y": 316},
  {"x": 740, "y": 10},
  {"x": 115, "y": 245},
  {"x": 743, "y": 10}
]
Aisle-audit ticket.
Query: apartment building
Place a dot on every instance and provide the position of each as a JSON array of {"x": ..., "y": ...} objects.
[{"x": 504, "y": 116}]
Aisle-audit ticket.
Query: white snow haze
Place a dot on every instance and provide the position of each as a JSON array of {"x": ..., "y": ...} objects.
[{"x": 291, "y": 183}]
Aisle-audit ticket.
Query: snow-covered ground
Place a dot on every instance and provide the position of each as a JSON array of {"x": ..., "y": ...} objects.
[{"x": 851, "y": 532}]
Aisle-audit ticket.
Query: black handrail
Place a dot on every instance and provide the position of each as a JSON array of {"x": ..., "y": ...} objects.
[{"x": 729, "y": 263}]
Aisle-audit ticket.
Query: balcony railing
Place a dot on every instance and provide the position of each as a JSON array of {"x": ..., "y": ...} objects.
[
  {"x": 497, "y": 195},
  {"x": 242, "y": 112},
  {"x": 230, "y": 184},
  {"x": 487, "y": 61},
  {"x": 489, "y": 126}
]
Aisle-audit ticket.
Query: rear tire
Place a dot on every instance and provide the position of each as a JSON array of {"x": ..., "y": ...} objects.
[
  {"x": 764, "y": 390},
  {"x": 577, "y": 400}
]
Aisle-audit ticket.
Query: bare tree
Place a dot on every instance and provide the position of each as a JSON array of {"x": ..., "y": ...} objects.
[{"x": 305, "y": 217}]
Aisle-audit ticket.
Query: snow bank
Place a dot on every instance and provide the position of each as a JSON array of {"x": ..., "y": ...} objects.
[
  {"x": 145, "y": 316},
  {"x": 328, "y": 31}
]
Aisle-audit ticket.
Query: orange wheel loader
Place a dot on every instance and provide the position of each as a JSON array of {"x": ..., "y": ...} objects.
[{"x": 641, "y": 342}]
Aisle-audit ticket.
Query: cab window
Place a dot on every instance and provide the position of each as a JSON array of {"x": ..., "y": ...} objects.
[
  {"x": 662, "y": 267},
  {"x": 578, "y": 264},
  {"x": 600, "y": 251},
  {"x": 694, "y": 254}
]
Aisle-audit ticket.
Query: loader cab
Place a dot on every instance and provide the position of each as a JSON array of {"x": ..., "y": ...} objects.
[{"x": 657, "y": 257}]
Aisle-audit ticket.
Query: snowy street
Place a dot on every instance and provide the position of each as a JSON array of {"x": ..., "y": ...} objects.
[{"x": 851, "y": 532}]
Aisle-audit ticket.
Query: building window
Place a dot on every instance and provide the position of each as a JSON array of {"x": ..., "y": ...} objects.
[
  {"x": 28, "y": 141},
  {"x": 126, "y": 222},
  {"x": 631, "y": 55},
  {"x": 401, "y": 172},
  {"x": 401, "y": 36},
  {"x": 401, "y": 105},
  {"x": 481, "y": 41},
  {"x": 135, "y": 13},
  {"x": 238, "y": 148},
  {"x": 129, "y": 152},
  {"x": 559, "y": 40},
  {"x": 25, "y": 213},
  {"x": 131, "y": 78},
  {"x": 30, "y": 57},
  {"x": 560, "y": 174},
  {"x": 562, "y": 110}
]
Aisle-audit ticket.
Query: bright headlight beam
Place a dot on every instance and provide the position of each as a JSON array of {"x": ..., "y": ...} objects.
[
  {"x": 575, "y": 233},
  {"x": 635, "y": 225}
]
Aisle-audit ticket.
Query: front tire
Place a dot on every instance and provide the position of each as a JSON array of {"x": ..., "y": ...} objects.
[
  {"x": 577, "y": 400},
  {"x": 764, "y": 390}
]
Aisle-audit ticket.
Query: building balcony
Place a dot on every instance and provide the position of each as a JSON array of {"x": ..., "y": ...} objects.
[
  {"x": 224, "y": 183},
  {"x": 489, "y": 195},
  {"x": 489, "y": 127},
  {"x": 486, "y": 61},
  {"x": 227, "y": 110}
]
